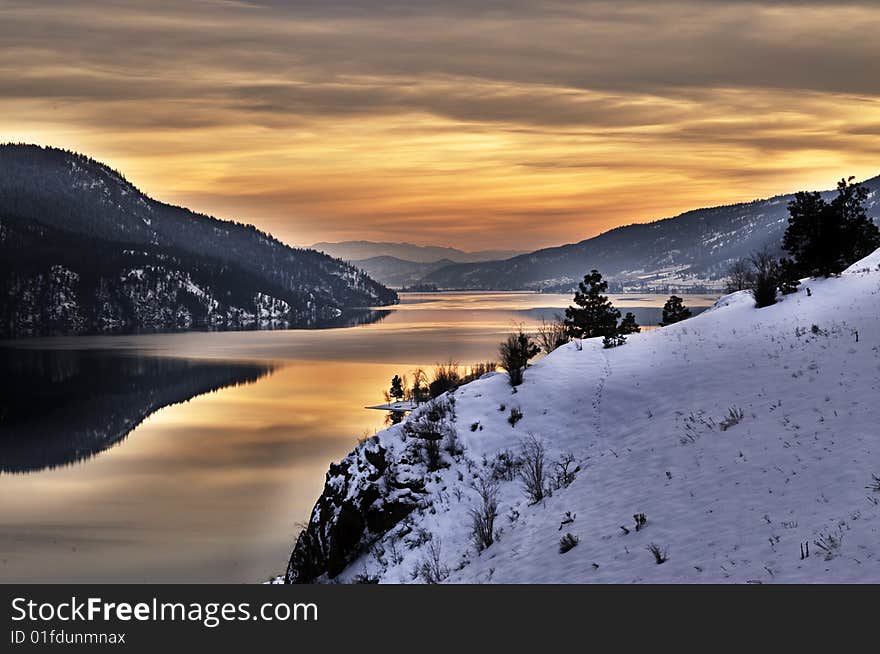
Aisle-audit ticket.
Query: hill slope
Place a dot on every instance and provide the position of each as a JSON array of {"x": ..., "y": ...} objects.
[
  {"x": 397, "y": 273},
  {"x": 690, "y": 251},
  {"x": 744, "y": 435},
  {"x": 50, "y": 197},
  {"x": 360, "y": 250}
]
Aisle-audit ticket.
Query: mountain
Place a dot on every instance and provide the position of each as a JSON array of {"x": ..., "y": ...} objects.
[
  {"x": 360, "y": 250},
  {"x": 397, "y": 273},
  {"x": 61, "y": 407},
  {"x": 739, "y": 446},
  {"x": 83, "y": 250},
  {"x": 691, "y": 251}
]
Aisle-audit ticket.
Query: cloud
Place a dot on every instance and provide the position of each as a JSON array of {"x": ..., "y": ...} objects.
[{"x": 357, "y": 117}]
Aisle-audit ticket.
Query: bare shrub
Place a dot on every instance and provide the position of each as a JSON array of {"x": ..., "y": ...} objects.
[
  {"x": 447, "y": 377},
  {"x": 568, "y": 542},
  {"x": 765, "y": 278},
  {"x": 483, "y": 516},
  {"x": 830, "y": 544},
  {"x": 506, "y": 466},
  {"x": 739, "y": 276},
  {"x": 432, "y": 454},
  {"x": 366, "y": 578},
  {"x": 565, "y": 471},
  {"x": 533, "y": 472},
  {"x": 431, "y": 569},
  {"x": 515, "y": 416},
  {"x": 419, "y": 391},
  {"x": 394, "y": 554},
  {"x": 552, "y": 335},
  {"x": 660, "y": 555},
  {"x": 432, "y": 424},
  {"x": 875, "y": 484},
  {"x": 641, "y": 520},
  {"x": 452, "y": 444},
  {"x": 477, "y": 370},
  {"x": 734, "y": 417}
]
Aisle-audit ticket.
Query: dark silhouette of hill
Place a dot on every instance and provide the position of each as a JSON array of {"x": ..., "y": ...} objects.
[
  {"x": 84, "y": 250},
  {"x": 61, "y": 407}
]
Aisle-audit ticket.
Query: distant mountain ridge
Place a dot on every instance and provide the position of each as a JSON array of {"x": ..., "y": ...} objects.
[
  {"x": 691, "y": 251},
  {"x": 358, "y": 251},
  {"x": 83, "y": 250},
  {"x": 398, "y": 273}
]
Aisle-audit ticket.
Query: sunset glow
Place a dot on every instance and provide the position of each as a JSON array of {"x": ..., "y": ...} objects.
[{"x": 520, "y": 124}]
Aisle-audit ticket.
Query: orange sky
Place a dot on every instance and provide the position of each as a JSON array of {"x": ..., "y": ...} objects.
[{"x": 471, "y": 124}]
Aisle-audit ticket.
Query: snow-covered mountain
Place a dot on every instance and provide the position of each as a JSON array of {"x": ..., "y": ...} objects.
[
  {"x": 690, "y": 252},
  {"x": 84, "y": 250},
  {"x": 741, "y": 445}
]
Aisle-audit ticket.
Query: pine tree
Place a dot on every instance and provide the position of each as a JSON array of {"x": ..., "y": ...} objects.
[
  {"x": 396, "y": 388},
  {"x": 823, "y": 237},
  {"x": 594, "y": 314},
  {"x": 674, "y": 311},
  {"x": 628, "y": 325},
  {"x": 613, "y": 341},
  {"x": 788, "y": 280},
  {"x": 515, "y": 352}
]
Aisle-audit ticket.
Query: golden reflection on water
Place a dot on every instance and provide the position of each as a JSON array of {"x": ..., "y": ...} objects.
[{"x": 212, "y": 489}]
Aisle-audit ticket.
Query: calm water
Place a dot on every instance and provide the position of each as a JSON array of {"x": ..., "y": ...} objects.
[{"x": 193, "y": 457}]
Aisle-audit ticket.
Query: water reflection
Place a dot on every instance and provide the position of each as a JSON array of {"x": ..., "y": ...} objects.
[
  {"x": 59, "y": 407},
  {"x": 211, "y": 489}
]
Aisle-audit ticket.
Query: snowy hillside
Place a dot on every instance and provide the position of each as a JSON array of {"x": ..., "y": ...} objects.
[
  {"x": 747, "y": 438},
  {"x": 690, "y": 252}
]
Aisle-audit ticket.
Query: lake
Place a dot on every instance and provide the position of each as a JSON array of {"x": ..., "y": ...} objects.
[{"x": 193, "y": 457}]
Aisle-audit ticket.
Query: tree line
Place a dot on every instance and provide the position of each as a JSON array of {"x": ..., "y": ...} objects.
[{"x": 822, "y": 239}]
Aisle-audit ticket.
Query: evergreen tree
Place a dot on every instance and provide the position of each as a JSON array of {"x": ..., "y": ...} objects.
[
  {"x": 674, "y": 311},
  {"x": 515, "y": 352},
  {"x": 788, "y": 277},
  {"x": 396, "y": 391},
  {"x": 613, "y": 341},
  {"x": 628, "y": 325},
  {"x": 823, "y": 237},
  {"x": 594, "y": 314}
]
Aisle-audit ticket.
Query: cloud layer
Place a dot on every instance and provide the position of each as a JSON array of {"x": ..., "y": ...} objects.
[{"x": 460, "y": 123}]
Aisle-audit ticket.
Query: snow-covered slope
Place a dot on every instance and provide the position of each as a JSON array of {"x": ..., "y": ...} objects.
[
  {"x": 685, "y": 253},
  {"x": 649, "y": 425}
]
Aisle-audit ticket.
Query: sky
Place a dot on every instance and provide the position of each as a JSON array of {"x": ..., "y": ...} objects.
[{"x": 460, "y": 123}]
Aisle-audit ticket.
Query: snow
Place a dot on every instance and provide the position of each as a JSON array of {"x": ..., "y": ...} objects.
[
  {"x": 871, "y": 262},
  {"x": 644, "y": 423},
  {"x": 403, "y": 405}
]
